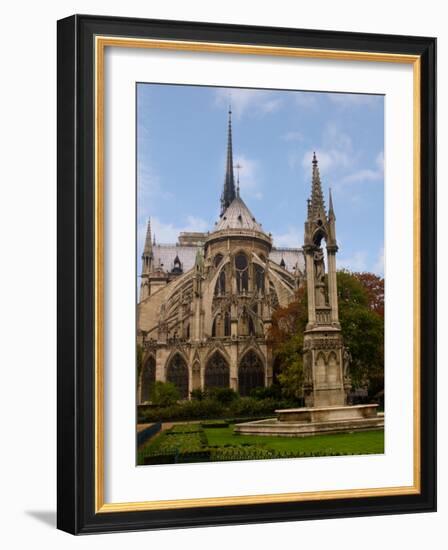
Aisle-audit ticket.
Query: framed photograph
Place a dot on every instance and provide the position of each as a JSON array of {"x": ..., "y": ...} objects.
[{"x": 246, "y": 274}]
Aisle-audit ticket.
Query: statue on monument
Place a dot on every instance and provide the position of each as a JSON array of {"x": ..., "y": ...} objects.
[{"x": 319, "y": 265}]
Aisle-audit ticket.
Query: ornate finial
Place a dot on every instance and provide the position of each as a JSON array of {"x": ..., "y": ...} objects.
[
  {"x": 317, "y": 207},
  {"x": 154, "y": 239},
  {"x": 331, "y": 215}
]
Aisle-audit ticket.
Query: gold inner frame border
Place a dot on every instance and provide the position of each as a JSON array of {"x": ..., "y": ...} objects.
[{"x": 101, "y": 42}]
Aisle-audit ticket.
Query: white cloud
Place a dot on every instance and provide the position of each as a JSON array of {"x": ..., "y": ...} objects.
[
  {"x": 336, "y": 151},
  {"x": 362, "y": 175},
  {"x": 356, "y": 262},
  {"x": 345, "y": 100},
  {"x": 260, "y": 102},
  {"x": 292, "y": 238},
  {"x": 328, "y": 159},
  {"x": 367, "y": 174},
  {"x": 249, "y": 176}
]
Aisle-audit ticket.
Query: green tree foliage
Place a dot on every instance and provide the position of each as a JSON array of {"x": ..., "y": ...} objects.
[
  {"x": 362, "y": 329},
  {"x": 164, "y": 394}
]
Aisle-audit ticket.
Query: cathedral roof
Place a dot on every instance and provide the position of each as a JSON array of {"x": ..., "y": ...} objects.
[
  {"x": 292, "y": 258},
  {"x": 238, "y": 216},
  {"x": 165, "y": 256}
]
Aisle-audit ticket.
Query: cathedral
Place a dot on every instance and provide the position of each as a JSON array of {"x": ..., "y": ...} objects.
[{"x": 206, "y": 302}]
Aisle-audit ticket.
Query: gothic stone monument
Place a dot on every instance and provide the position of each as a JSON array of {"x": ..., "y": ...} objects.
[{"x": 325, "y": 360}]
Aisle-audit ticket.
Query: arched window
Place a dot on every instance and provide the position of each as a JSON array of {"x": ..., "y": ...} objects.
[
  {"x": 220, "y": 287},
  {"x": 250, "y": 373},
  {"x": 217, "y": 260},
  {"x": 217, "y": 372},
  {"x": 148, "y": 377},
  {"x": 177, "y": 373},
  {"x": 259, "y": 277},
  {"x": 242, "y": 275}
]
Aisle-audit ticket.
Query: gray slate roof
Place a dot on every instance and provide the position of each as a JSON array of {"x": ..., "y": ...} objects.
[
  {"x": 237, "y": 216},
  {"x": 166, "y": 253},
  {"x": 291, "y": 257}
]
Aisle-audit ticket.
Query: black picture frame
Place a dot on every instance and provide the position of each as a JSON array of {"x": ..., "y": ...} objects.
[{"x": 76, "y": 255}]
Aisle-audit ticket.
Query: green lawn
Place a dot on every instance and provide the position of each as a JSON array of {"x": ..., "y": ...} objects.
[
  {"x": 223, "y": 444},
  {"x": 350, "y": 443}
]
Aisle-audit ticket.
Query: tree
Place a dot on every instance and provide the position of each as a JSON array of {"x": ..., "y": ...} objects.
[
  {"x": 286, "y": 338},
  {"x": 164, "y": 394},
  {"x": 374, "y": 286},
  {"x": 362, "y": 330}
]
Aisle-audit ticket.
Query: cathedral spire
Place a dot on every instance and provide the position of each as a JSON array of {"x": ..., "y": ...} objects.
[
  {"x": 317, "y": 204},
  {"x": 228, "y": 193},
  {"x": 147, "y": 251}
]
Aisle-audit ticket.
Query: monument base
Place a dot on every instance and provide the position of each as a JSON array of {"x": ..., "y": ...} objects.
[{"x": 314, "y": 421}]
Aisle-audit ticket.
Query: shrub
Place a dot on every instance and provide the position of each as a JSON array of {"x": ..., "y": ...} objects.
[
  {"x": 272, "y": 392},
  {"x": 164, "y": 394},
  {"x": 197, "y": 395},
  {"x": 225, "y": 396}
]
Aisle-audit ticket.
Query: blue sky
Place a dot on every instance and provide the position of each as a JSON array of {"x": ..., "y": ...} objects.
[{"x": 181, "y": 151}]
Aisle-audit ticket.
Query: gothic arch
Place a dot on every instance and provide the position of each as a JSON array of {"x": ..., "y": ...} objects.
[
  {"x": 177, "y": 374},
  {"x": 147, "y": 378},
  {"x": 217, "y": 348},
  {"x": 217, "y": 372},
  {"x": 251, "y": 372},
  {"x": 319, "y": 235}
]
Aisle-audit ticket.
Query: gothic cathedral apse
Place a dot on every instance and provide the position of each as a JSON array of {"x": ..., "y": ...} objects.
[{"x": 206, "y": 301}]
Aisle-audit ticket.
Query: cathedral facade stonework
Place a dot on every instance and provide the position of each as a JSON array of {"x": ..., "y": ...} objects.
[{"x": 206, "y": 302}]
